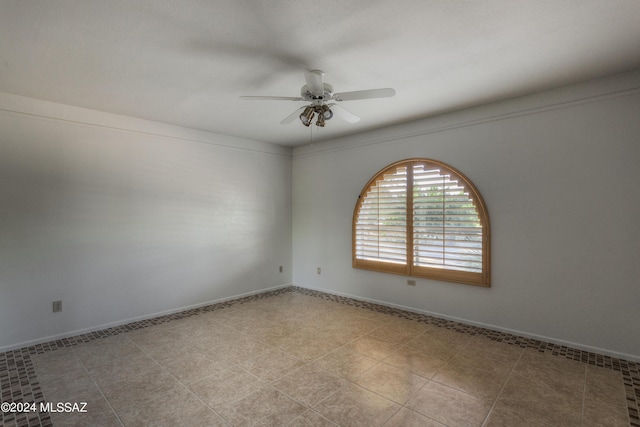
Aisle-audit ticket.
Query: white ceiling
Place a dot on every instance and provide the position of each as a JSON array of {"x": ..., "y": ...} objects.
[{"x": 186, "y": 62}]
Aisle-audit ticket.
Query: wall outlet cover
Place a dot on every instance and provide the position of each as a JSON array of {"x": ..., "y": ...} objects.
[{"x": 57, "y": 306}]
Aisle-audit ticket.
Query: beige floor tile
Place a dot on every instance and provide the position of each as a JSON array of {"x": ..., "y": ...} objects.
[
  {"x": 449, "y": 335},
  {"x": 86, "y": 420},
  {"x": 555, "y": 398},
  {"x": 391, "y": 382},
  {"x": 159, "y": 337},
  {"x": 192, "y": 367},
  {"x": 105, "y": 350},
  {"x": 359, "y": 325},
  {"x": 437, "y": 344},
  {"x": 470, "y": 379},
  {"x": 98, "y": 412},
  {"x": 140, "y": 390},
  {"x": 372, "y": 346},
  {"x": 264, "y": 407},
  {"x": 449, "y": 406},
  {"x": 225, "y": 387},
  {"x": 530, "y": 413},
  {"x": 531, "y": 357},
  {"x": 309, "y": 385},
  {"x": 196, "y": 325},
  {"x": 485, "y": 348},
  {"x": 381, "y": 318},
  {"x": 277, "y": 334},
  {"x": 240, "y": 349},
  {"x": 271, "y": 365},
  {"x": 311, "y": 419},
  {"x": 55, "y": 364},
  {"x": 164, "y": 353},
  {"x": 484, "y": 354},
  {"x": 118, "y": 369},
  {"x": 406, "y": 323},
  {"x": 209, "y": 319},
  {"x": 207, "y": 337},
  {"x": 180, "y": 408},
  {"x": 605, "y": 401},
  {"x": 339, "y": 316},
  {"x": 501, "y": 369},
  {"x": 337, "y": 337},
  {"x": 216, "y": 346},
  {"x": 415, "y": 361},
  {"x": 354, "y": 406},
  {"x": 534, "y": 381},
  {"x": 397, "y": 332},
  {"x": 408, "y": 418},
  {"x": 69, "y": 388},
  {"x": 229, "y": 315},
  {"x": 257, "y": 325},
  {"x": 542, "y": 392},
  {"x": 605, "y": 385},
  {"x": 600, "y": 414},
  {"x": 346, "y": 364},
  {"x": 308, "y": 348}
]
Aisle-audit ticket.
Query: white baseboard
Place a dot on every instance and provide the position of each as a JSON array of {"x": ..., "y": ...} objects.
[
  {"x": 134, "y": 319},
  {"x": 603, "y": 351}
]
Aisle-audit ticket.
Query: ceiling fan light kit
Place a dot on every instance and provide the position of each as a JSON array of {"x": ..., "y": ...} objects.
[
  {"x": 306, "y": 116},
  {"x": 323, "y": 111},
  {"x": 318, "y": 93}
]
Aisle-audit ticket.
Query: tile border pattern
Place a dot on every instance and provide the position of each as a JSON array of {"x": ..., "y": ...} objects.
[{"x": 19, "y": 382}]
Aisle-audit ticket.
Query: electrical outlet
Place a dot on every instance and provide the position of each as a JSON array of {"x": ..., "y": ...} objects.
[
  {"x": 411, "y": 282},
  {"x": 281, "y": 269},
  {"x": 57, "y": 306},
  {"x": 319, "y": 270}
]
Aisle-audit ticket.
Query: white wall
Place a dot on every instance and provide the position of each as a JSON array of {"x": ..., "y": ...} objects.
[
  {"x": 121, "y": 218},
  {"x": 559, "y": 171}
]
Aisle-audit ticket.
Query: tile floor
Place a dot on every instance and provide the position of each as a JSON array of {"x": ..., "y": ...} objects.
[{"x": 302, "y": 358}]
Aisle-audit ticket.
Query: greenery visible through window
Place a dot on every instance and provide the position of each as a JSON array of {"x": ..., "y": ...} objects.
[{"x": 422, "y": 218}]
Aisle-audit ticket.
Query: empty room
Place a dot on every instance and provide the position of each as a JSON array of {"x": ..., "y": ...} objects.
[{"x": 303, "y": 213}]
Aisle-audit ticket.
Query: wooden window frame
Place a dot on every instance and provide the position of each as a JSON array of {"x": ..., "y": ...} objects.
[{"x": 482, "y": 278}]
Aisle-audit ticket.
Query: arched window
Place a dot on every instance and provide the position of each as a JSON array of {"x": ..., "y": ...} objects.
[{"x": 422, "y": 218}]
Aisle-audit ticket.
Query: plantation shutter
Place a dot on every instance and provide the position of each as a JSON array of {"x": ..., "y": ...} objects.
[
  {"x": 422, "y": 218},
  {"x": 447, "y": 232},
  {"x": 381, "y": 226}
]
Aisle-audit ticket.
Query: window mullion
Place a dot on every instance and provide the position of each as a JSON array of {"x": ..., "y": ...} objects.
[
  {"x": 444, "y": 220},
  {"x": 410, "y": 218}
]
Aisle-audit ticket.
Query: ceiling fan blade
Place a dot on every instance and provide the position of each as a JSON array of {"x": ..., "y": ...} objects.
[
  {"x": 314, "y": 81},
  {"x": 344, "y": 114},
  {"x": 292, "y": 116},
  {"x": 272, "y": 98},
  {"x": 364, "y": 94}
]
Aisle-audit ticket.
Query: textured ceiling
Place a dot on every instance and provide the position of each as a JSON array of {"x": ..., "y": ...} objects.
[{"x": 187, "y": 62}]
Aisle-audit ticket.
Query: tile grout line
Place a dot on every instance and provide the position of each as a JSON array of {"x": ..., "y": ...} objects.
[
  {"x": 495, "y": 402},
  {"x": 84, "y": 366},
  {"x": 584, "y": 395}
]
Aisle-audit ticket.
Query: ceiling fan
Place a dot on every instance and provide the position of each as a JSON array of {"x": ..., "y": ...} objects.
[{"x": 319, "y": 95}]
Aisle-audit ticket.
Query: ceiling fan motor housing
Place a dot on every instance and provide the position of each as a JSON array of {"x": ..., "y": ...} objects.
[{"x": 317, "y": 99}]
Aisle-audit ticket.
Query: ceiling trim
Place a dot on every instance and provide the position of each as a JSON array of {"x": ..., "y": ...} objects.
[
  {"x": 24, "y": 106},
  {"x": 593, "y": 91}
]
